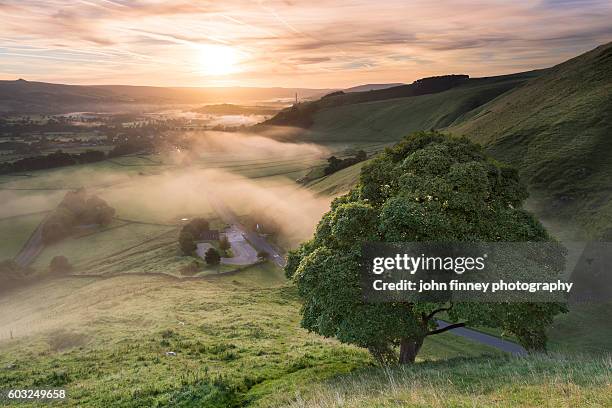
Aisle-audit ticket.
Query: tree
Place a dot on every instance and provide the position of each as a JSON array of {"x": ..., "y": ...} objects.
[
  {"x": 224, "y": 243},
  {"x": 212, "y": 257},
  {"x": 429, "y": 187},
  {"x": 187, "y": 242},
  {"x": 59, "y": 264}
]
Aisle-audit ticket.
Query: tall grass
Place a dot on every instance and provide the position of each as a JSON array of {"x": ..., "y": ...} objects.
[{"x": 540, "y": 380}]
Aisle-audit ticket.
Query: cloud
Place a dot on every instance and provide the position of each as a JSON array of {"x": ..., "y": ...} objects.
[{"x": 301, "y": 43}]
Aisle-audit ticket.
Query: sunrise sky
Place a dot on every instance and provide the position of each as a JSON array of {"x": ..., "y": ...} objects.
[{"x": 290, "y": 43}]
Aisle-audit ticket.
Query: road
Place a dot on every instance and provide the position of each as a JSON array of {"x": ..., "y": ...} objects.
[
  {"x": 257, "y": 241},
  {"x": 32, "y": 247},
  {"x": 492, "y": 341}
]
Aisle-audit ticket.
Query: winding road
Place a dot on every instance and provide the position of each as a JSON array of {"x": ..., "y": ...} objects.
[
  {"x": 258, "y": 242},
  {"x": 487, "y": 339}
]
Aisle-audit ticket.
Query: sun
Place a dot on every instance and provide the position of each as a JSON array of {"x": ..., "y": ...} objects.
[{"x": 218, "y": 59}]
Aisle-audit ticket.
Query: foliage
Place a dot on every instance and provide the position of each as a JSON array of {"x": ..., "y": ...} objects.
[
  {"x": 77, "y": 208},
  {"x": 187, "y": 242},
  {"x": 59, "y": 264},
  {"x": 55, "y": 159},
  {"x": 335, "y": 164},
  {"x": 429, "y": 187},
  {"x": 212, "y": 257},
  {"x": 224, "y": 243},
  {"x": 190, "y": 234}
]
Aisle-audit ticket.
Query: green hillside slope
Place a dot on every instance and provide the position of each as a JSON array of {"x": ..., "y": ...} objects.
[
  {"x": 557, "y": 130},
  {"x": 391, "y": 119}
]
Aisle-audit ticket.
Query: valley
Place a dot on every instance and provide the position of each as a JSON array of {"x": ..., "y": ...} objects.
[{"x": 139, "y": 317}]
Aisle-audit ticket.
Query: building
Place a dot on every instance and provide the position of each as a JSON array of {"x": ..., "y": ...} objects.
[{"x": 209, "y": 235}]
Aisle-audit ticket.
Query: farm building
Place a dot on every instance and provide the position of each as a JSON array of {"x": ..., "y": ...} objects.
[{"x": 209, "y": 235}]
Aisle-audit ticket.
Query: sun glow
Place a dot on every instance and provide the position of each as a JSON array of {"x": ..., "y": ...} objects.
[{"x": 218, "y": 59}]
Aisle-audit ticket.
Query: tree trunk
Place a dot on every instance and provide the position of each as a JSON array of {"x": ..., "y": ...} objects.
[{"x": 409, "y": 348}]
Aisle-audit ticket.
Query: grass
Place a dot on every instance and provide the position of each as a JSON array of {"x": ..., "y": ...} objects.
[
  {"x": 550, "y": 381},
  {"x": 338, "y": 182},
  {"x": 15, "y": 233},
  {"x": 100, "y": 245},
  {"x": 237, "y": 341},
  {"x": 556, "y": 129},
  {"x": 390, "y": 120}
]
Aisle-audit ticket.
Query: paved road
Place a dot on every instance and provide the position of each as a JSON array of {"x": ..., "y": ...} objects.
[
  {"x": 257, "y": 241},
  {"x": 244, "y": 253},
  {"x": 32, "y": 247},
  {"x": 486, "y": 339}
]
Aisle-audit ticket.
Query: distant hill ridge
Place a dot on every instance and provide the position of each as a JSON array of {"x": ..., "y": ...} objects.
[
  {"x": 301, "y": 115},
  {"x": 372, "y": 87},
  {"x": 23, "y": 96}
]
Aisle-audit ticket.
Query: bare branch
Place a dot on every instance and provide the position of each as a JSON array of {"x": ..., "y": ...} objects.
[{"x": 449, "y": 327}]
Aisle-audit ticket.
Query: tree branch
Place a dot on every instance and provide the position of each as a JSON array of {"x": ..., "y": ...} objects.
[
  {"x": 449, "y": 327},
  {"x": 442, "y": 309}
]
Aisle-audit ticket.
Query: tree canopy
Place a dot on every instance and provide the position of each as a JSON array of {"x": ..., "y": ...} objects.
[{"x": 428, "y": 187}]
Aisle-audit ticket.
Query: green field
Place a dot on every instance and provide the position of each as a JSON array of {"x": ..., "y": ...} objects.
[
  {"x": 237, "y": 341},
  {"x": 15, "y": 232}
]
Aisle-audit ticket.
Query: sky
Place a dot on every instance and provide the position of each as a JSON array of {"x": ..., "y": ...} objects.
[{"x": 290, "y": 43}]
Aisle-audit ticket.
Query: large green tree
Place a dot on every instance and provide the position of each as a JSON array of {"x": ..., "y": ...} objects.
[{"x": 428, "y": 187}]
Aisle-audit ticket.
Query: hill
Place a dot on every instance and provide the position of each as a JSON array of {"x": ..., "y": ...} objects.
[
  {"x": 391, "y": 119},
  {"x": 372, "y": 87},
  {"x": 556, "y": 130},
  {"x": 22, "y": 96},
  {"x": 553, "y": 125},
  {"x": 301, "y": 114}
]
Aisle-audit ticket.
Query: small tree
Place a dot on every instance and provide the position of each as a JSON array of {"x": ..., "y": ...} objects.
[
  {"x": 187, "y": 242},
  {"x": 429, "y": 187},
  {"x": 59, "y": 264},
  {"x": 212, "y": 257},
  {"x": 224, "y": 243}
]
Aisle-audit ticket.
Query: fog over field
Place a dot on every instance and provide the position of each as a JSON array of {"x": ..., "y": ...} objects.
[{"x": 180, "y": 182}]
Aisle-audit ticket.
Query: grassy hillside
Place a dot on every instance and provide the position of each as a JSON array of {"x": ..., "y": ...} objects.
[
  {"x": 556, "y": 129},
  {"x": 391, "y": 119},
  {"x": 237, "y": 341},
  {"x": 550, "y": 381}
]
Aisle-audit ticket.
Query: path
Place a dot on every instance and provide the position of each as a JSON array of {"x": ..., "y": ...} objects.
[
  {"x": 32, "y": 247},
  {"x": 487, "y": 339}
]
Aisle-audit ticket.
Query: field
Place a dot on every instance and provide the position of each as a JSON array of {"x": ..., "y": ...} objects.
[
  {"x": 137, "y": 332},
  {"x": 237, "y": 341},
  {"x": 15, "y": 232}
]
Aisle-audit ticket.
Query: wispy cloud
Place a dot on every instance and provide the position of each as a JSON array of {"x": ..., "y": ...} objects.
[{"x": 292, "y": 42}]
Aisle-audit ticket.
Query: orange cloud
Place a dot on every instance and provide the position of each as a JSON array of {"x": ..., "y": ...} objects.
[{"x": 316, "y": 43}]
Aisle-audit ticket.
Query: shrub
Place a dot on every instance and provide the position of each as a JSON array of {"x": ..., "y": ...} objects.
[
  {"x": 212, "y": 257},
  {"x": 59, "y": 264}
]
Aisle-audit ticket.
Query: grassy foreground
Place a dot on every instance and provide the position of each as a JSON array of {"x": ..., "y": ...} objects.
[
  {"x": 549, "y": 381},
  {"x": 236, "y": 337}
]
